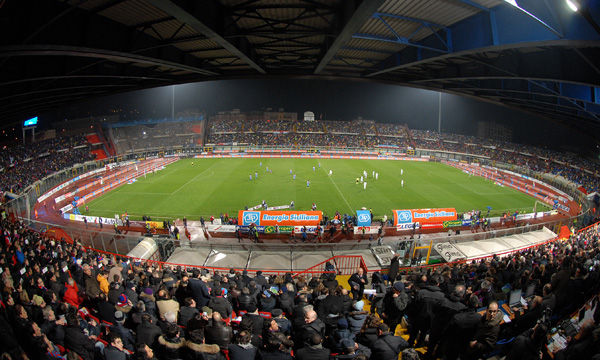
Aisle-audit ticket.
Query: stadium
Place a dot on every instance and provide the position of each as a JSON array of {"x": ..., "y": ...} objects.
[{"x": 102, "y": 209}]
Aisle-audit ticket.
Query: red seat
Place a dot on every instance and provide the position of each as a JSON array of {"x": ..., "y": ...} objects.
[{"x": 61, "y": 349}]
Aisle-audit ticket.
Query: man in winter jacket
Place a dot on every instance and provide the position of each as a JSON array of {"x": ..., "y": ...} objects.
[
  {"x": 387, "y": 346},
  {"x": 486, "y": 334}
]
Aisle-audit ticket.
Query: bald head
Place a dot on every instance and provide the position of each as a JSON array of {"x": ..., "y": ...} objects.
[
  {"x": 310, "y": 316},
  {"x": 216, "y": 316}
]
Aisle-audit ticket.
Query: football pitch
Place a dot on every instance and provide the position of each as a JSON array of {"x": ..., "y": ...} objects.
[{"x": 205, "y": 187}]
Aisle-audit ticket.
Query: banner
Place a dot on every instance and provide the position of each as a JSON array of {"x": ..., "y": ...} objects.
[
  {"x": 363, "y": 218},
  {"x": 368, "y": 229},
  {"x": 448, "y": 251},
  {"x": 292, "y": 218},
  {"x": 453, "y": 223},
  {"x": 424, "y": 215}
]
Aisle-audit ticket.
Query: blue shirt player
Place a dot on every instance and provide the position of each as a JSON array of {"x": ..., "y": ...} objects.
[
  {"x": 307, "y": 183},
  {"x": 294, "y": 176},
  {"x": 250, "y": 177}
]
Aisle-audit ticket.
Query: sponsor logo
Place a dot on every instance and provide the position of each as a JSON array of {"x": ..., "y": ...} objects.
[
  {"x": 433, "y": 214},
  {"x": 408, "y": 226},
  {"x": 452, "y": 223},
  {"x": 251, "y": 217},
  {"x": 364, "y": 218},
  {"x": 404, "y": 216}
]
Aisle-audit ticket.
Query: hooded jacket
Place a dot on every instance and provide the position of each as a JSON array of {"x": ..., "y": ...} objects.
[
  {"x": 170, "y": 349},
  {"x": 193, "y": 351}
]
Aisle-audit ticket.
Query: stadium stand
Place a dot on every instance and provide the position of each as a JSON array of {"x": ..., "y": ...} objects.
[
  {"x": 81, "y": 298},
  {"x": 61, "y": 297}
]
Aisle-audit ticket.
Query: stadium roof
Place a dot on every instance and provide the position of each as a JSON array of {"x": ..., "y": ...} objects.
[{"x": 534, "y": 55}]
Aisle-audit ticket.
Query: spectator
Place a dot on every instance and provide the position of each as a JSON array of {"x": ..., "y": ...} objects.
[
  {"x": 195, "y": 348},
  {"x": 170, "y": 344},
  {"x": 243, "y": 348},
  {"x": 218, "y": 332},
  {"x": 387, "y": 346},
  {"x": 115, "y": 349}
]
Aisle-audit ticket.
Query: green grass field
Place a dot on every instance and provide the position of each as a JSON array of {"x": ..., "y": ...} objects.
[{"x": 212, "y": 186}]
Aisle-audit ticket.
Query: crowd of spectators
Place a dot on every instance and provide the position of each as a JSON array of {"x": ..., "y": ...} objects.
[
  {"x": 310, "y": 126},
  {"x": 62, "y": 298},
  {"x": 25, "y": 164},
  {"x": 155, "y": 136},
  {"x": 532, "y": 158}
]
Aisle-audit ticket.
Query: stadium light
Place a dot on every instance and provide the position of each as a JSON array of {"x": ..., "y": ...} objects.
[{"x": 574, "y": 5}]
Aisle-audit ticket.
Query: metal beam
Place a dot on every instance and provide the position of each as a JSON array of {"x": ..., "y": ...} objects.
[
  {"x": 182, "y": 15},
  {"x": 58, "y": 50},
  {"x": 360, "y": 16}
]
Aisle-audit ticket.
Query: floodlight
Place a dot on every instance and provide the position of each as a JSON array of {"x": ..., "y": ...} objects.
[{"x": 574, "y": 5}]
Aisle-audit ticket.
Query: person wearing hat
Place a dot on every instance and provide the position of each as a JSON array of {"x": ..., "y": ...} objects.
[
  {"x": 127, "y": 338},
  {"x": 387, "y": 346},
  {"x": 115, "y": 290},
  {"x": 38, "y": 304},
  {"x": 267, "y": 301},
  {"x": 124, "y": 304},
  {"x": 147, "y": 296},
  {"x": 284, "y": 324},
  {"x": 350, "y": 349},
  {"x": 357, "y": 317},
  {"x": 394, "y": 305},
  {"x": 341, "y": 332}
]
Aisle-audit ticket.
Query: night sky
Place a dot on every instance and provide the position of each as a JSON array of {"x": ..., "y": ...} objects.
[{"x": 334, "y": 100}]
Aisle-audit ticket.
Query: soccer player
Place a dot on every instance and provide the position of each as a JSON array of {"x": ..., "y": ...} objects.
[
  {"x": 250, "y": 177},
  {"x": 365, "y": 185},
  {"x": 330, "y": 172},
  {"x": 307, "y": 183}
]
